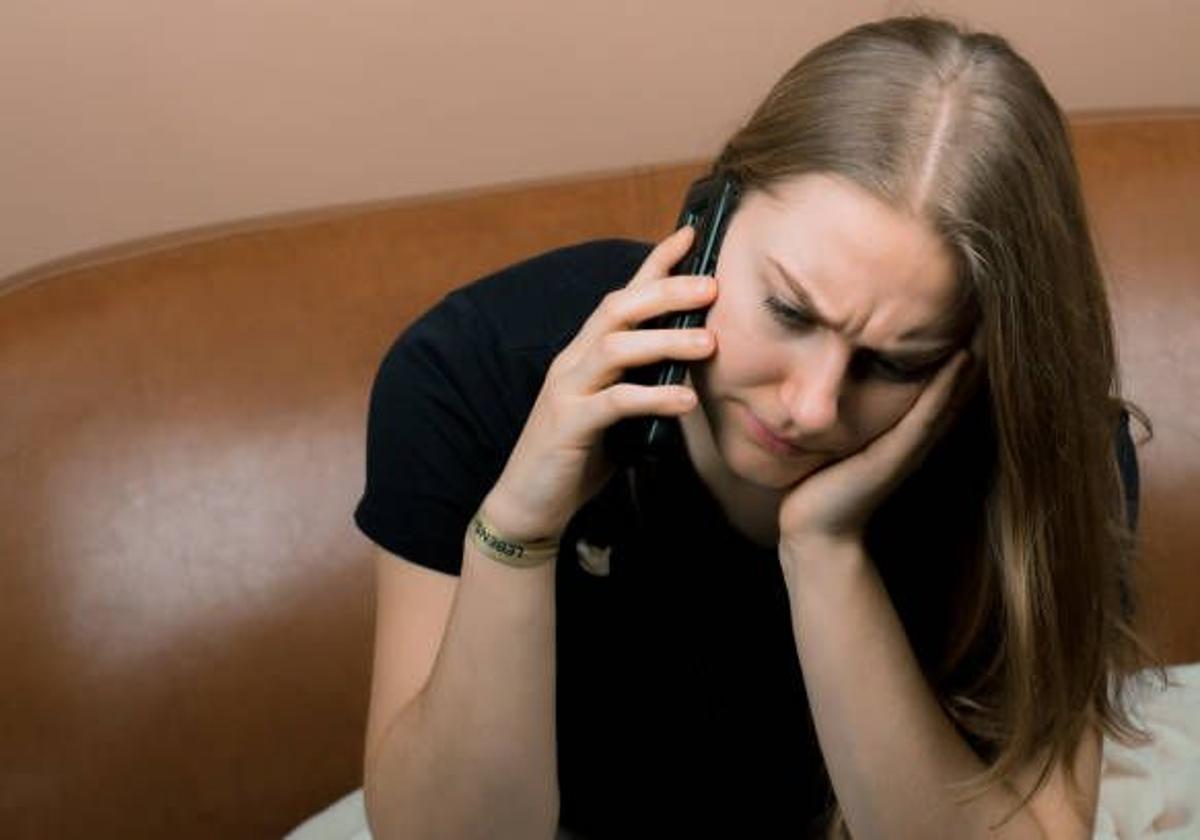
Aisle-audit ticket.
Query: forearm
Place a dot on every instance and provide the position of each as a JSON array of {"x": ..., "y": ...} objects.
[
  {"x": 474, "y": 755},
  {"x": 892, "y": 753}
]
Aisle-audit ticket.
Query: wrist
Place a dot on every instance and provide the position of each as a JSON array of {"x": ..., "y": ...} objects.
[
  {"x": 509, "y": 517},
  {"x": 492, "y": 543},
  {"x": 808, "y": 545},
  {"x": 820, "y": 554}
]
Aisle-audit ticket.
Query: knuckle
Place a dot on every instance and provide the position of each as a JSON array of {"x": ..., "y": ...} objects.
[
  {"x": 554, "y": 373},
  {"x": 560, "y": 363},
  {"x": 611, "y": 344},
  {"x": 680, "y": 286},
  {"x": 611, "y": 303},
  {"x": 556, "y": 408},
  {"x": 696, "y": 339},
  {"x": 620, "y": 397}
]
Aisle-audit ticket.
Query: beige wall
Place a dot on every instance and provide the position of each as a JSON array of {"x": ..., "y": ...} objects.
[{"x": 135, "y": 118}]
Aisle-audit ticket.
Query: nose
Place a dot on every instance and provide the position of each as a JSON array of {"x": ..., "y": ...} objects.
[{"x": 812, "y": 392}]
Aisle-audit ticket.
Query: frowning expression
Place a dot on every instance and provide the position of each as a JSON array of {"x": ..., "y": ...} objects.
[{"x": 833, "y": 312}]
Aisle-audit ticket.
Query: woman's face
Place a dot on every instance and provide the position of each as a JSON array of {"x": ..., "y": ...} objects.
[{"x": 832, "y": 357}]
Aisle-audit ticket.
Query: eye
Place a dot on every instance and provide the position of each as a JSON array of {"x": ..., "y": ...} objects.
[
  {"x": 787, "y": 314},
  {"x": 889, "y": 371},
  {"x": 866, "y": 365}
]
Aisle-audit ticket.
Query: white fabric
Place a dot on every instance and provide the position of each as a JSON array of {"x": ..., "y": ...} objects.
[
  {"x": 345, "y": 819},
  {"x": 1153, "y": 790},
  {"x": 1150, "y": 790}
]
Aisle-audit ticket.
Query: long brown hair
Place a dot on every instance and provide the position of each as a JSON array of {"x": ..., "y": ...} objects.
[{"x": 1021, "y": 632}]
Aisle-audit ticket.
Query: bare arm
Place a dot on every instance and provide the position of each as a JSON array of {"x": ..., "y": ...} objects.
[
  {"x": 465, "y": 747},
  {"x": 892, "y": 753},
  {"x": 473, "y": 754}
]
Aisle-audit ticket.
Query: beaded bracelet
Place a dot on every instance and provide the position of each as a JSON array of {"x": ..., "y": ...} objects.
[{"x": 507, "y": 551}]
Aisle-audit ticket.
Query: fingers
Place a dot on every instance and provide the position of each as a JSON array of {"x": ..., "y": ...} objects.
[
  {"x": 664, "y": 256},
  {"x": 627, "y": 308},
  {"x": 653, "y": 291},
  {"x": 616, "y": 352},
  {"x": 554, "y": 462},
  {"x": 616, "y": 337},
  {"x": 933, "y": 411},
  {"x": 610, "y": 341},
  {"x": 628, "y": 400}
]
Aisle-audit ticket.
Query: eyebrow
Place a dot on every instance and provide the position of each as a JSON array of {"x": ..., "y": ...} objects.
[{"x": 941, "y": 331}]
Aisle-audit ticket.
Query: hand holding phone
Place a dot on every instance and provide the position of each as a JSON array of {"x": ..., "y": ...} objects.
[
  {"x": 709, "y": 204},
  {"x": 559, "y": 462}
]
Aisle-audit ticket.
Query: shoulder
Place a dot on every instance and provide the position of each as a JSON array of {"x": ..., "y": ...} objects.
[
  {"x": 500, "y": 331},
  {"x": 543, "y": 300},
  {"x": 493, "y": 337}
]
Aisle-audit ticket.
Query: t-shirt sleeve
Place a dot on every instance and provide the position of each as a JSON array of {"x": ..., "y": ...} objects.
[
  {"x": 1130, "y": 481},
  {"x": 444, "y": 412},
  {"x": 1127, "y": 462}
]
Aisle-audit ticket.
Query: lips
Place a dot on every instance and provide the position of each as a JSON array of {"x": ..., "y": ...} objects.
[{"x": 767, "y": 438}]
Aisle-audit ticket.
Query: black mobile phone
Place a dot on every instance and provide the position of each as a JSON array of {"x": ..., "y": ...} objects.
[{"x": 709, "y": 204}]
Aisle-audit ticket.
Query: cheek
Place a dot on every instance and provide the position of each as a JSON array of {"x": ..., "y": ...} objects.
[
  {"x": 879, "y": 407},
  {"x": 742, "y": 347}
]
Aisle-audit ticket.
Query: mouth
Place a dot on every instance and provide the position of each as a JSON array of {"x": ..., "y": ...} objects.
[{"x": 764, "y": 437}]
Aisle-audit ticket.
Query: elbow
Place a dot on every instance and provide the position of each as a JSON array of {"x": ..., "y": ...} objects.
[{"x": 392, "y": 815}]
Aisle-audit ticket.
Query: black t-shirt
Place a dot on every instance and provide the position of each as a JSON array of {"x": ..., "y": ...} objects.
[{"x": 680, "y": 700}]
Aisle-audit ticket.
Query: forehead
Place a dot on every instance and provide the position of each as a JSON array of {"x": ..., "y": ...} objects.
[{"x": 876, "y": 270}]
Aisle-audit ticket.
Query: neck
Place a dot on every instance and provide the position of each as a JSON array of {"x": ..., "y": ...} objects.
[{"x": 752, "y": 509}]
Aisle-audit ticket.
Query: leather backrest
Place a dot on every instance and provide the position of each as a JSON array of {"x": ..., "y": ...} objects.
[
  {"x": 186, "y": 631},
  {"x": 1141, "y": 176}
]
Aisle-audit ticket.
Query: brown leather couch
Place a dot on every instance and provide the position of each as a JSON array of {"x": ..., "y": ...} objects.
[{"x": 187, "y": 607}]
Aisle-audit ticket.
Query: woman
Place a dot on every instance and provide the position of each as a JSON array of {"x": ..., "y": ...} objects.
[{"x": 875, "y": 584}]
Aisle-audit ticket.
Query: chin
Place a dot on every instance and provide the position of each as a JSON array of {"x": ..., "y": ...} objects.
[
  {"x": 743, "y": 457},
  {"x": 756, "y": 466},
  {"x": 765, "y": 470}
]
